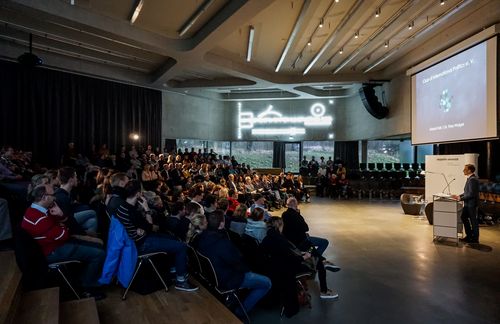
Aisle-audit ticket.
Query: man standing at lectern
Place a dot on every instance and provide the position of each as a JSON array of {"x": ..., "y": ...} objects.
[{"x": 470, "y": 197}]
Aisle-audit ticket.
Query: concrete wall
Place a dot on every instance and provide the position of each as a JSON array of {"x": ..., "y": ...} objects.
[
  {"x": 190, "y": 117},
  {"x": 359, "y": 124}
]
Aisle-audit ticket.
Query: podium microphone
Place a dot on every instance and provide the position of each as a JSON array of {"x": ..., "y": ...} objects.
[{"x": 448, "y": 185}]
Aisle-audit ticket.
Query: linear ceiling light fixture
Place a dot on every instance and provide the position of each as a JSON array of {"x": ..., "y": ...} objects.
[
  {"x": 136, "y": 11},
  {"x": 293, "y": 34},
  {"x": 419, "y": 33},
  {"x": 201, "y": 9},
  {"x": 333, "y": 36},
  {"x": 251, "y": 33},
  {"x": 373, "y": 36}
]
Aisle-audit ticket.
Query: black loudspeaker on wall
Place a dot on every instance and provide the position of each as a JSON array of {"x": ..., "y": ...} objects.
[{"x": 371, "y": 103}]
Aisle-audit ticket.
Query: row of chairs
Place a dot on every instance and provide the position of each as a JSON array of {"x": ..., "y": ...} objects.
[{"x": 392, "y": 166}]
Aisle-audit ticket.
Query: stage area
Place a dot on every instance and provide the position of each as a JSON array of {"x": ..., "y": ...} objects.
[{"x": 393, "y": 273}]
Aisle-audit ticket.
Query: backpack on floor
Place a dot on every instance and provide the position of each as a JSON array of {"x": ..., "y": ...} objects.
[{"x": 303, "y": 296}]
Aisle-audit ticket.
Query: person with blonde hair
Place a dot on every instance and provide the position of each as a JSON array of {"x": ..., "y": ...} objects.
[{"x": 198, "y": 225}]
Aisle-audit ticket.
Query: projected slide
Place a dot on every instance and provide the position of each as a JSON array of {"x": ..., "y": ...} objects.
[{"x": 451, "y": 98}]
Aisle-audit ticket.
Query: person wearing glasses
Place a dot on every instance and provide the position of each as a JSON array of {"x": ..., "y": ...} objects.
[{"x": 44, "y": 221}]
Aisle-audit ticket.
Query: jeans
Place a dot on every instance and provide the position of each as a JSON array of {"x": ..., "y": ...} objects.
[
  {"x": 92, "y": 256},
  {"x": 321, "y": 244},
  {"x": 258, "y": 285},
  {"x": 87, "y": 220},
  {"x": 163, "y": 243}
]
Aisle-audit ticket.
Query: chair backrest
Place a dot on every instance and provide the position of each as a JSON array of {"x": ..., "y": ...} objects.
[
  {"x": 194, "y": 261},
  {"x": 30, "y": 260},
  {"x": 207, "y": 270}
]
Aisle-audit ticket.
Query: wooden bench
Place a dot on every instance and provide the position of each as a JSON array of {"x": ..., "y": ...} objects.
[{"x": 10, "y": 286}]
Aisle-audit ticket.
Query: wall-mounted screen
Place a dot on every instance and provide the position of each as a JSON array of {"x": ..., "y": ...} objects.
[{"x": 456, "y": 99}]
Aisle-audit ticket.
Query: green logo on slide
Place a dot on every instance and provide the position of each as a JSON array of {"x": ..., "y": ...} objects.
[{"x": 445, "y": 101}]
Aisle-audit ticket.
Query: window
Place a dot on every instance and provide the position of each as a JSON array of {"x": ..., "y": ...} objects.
[
  {"x": 422, "y": 151},
  {"x": 255, "y": 154},
  {"x": 317, "y": 149},
  {"x": 384, "y": 151},
  {"x": 292, "y": 157}
]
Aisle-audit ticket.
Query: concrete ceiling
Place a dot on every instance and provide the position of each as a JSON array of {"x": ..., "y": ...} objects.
[{"x": 209, "y": 57}]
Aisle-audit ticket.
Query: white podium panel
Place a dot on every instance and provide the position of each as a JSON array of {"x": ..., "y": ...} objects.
[{"x": 447, "y": 221}]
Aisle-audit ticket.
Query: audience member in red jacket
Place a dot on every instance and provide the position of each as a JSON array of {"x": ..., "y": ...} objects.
[{"x": 44, "y": 221}]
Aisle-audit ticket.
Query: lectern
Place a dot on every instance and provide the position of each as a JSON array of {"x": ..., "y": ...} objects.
[{"x": 447, "y": 221}]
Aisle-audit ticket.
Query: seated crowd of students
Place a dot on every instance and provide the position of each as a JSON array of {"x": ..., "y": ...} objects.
[{"x": 168, "y": 202}]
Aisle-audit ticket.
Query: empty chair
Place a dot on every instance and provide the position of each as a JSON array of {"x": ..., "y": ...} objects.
[
  {"x": 415, "y": 166},
  {"x": 371, "y": 166},
  {"x": 406, "y": 166},
  {"x": 411, "y": 204},
  {"x": 422, "y": 166},
  {"x": 362, "y": 166},
  {"x": 388, "y": 166},
  {"x": 397, "y": 166},
  {"x": 380, "y": 166}
]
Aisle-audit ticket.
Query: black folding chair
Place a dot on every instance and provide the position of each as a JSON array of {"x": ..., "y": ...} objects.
[{"x": 210, "y": 275}]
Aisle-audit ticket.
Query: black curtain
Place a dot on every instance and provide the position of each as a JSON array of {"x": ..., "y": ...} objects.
[
  {"x": 42, "y": 110},
  {"x": 279, "y": 155},
  {"x": 348, "y": 152}
]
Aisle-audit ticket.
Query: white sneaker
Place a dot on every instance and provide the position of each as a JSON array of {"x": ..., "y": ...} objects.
[{"x": 329, "y": 294}]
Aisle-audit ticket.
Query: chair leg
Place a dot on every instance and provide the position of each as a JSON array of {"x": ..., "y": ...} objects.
[
  {"x": 67, "y": 282},
  {"x": 242, "y": 307},
  {"x": 131, "y": 281},
  {"x": 158, "y": 274}
]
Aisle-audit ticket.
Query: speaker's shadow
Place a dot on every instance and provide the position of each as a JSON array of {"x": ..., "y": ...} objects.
[{"x": 479, "y": 247}]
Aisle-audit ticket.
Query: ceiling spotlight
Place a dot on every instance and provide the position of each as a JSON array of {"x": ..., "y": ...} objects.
[
  {"x": 341, "y": 50},
  {"x": 386, "y": 44},
  {"x": 330, "y": 101},
  {"x": 309, "y": 43},
  {"x": 356, "y": 34},
  {"x": 441, "y": 2},
  {"x": 410, "y": 25},
  {"x": 321, "y": 23},
  {"x": 330, "y": 136},
  {"x": 336, "y": 0},
  {"x": 377, "y": 13}
]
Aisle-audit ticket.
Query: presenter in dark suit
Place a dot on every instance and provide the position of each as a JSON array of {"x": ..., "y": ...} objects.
[{"x": 470, "y": 197}]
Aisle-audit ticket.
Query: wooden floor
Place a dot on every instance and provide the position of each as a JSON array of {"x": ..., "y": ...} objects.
[
  {"x": 392, "y": 272},
  {"x": 172, "y": 307}
]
